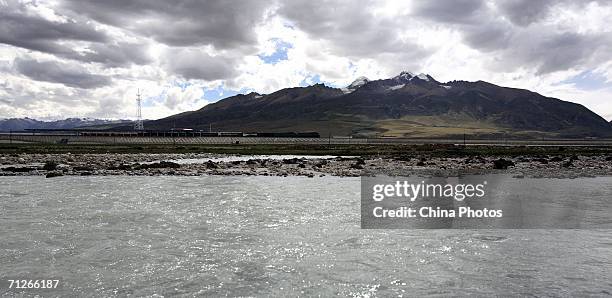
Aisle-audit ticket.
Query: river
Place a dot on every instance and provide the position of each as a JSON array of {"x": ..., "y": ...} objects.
[{"x": 269, "y": 236}]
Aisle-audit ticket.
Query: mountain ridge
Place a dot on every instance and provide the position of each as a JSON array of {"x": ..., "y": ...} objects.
[
  {"x": 20, "y": 124},
  {"x": 406, "y": 105}
]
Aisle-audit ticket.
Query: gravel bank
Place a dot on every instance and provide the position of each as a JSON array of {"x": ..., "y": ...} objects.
[{"x": 52, "y": 165}]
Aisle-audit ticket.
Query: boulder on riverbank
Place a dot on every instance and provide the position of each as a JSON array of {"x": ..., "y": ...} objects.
[
  {"x": 18, "y": 169},
  {"x": 502, "y": 164},
  {"x": 158, "y": 165},
  {"x": 50, "y": 166},
  {"x": 54, "y": 174}
]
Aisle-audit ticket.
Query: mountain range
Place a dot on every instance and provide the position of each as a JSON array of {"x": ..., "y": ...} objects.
[
  {"x": 20, "y": 124},
  {"x": 406, "y": 105}
]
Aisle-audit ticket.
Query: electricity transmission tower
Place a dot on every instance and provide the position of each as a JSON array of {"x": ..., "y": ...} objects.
[{"x": 138, "y": 125}]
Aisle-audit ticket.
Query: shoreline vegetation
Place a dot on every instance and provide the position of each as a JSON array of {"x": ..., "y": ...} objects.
[{"x": 350, "y": 161}]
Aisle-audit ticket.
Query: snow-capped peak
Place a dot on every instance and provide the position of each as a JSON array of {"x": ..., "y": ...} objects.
[
  {"x": 404, "y": 76},
  {"x": 360, "y": 81},
  {"x": 423, "y": 77}
]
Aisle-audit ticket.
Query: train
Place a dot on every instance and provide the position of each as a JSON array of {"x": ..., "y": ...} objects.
[
  {"x": 262, "y": 134},
  {"x": 194, "y": 133}
]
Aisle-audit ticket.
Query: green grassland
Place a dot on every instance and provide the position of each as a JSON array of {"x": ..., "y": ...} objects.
[{"x": 388, "y": 150}]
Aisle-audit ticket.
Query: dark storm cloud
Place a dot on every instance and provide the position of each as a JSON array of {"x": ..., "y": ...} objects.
[
  {"x": 506, "y": 30},
  {"x": 564, "y": 51},
  {"x": 525, "y": 12},
  {"x": 221, "y": 23},
  {"x": 351, "y": 29},
  {"x": 21, "y": 29},
  {"x": 499, "y": 28},
  {"x": 550, "y": 52},
  {"x": 117, "y": 54},
  {"x": 69, "y": 75},
  {"x": 198, "y": 65},
  {"x": 492, "y": 37},
  {"x": 510, "y": 31},
  {"x": 35, "y": 33},
  {"x": 227, "y": 26},
  {"x": 456, "y": 11},
  {"x": 18, "y": 24}
]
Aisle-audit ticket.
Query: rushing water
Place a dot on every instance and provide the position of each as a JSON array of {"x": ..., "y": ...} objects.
[{"x": 262, "y": 236}]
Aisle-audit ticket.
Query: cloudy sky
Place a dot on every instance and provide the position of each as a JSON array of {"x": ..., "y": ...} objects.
[{"x": 87, "y": 58}]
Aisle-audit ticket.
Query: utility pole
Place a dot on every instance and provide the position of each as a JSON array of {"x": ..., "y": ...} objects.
[
  {"x": 328, "y": 131},
  {"x": 173, "y": 129}
]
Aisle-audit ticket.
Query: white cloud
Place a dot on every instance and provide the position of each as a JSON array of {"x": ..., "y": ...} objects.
[{"x": 335, "y": 41}]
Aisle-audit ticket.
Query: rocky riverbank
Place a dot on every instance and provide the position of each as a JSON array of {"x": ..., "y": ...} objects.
[{"x": 53, "y": 165}]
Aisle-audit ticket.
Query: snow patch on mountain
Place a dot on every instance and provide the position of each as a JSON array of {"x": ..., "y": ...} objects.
[
  {"x": 400, "y": 86},
  {"x": 356, "y": 84}
]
